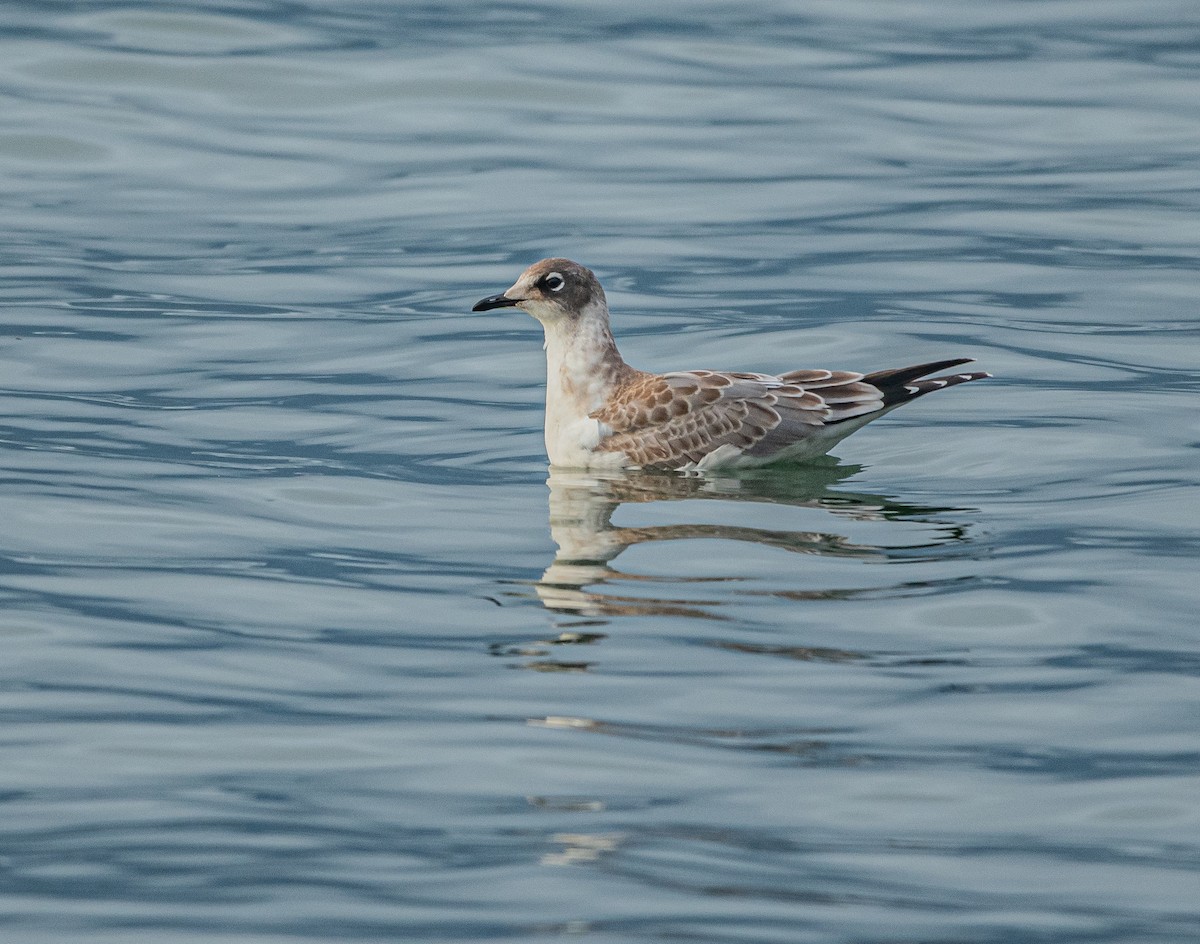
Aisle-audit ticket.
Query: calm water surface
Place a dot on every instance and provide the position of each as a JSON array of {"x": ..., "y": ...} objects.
[{"x": 303, "y": 642}]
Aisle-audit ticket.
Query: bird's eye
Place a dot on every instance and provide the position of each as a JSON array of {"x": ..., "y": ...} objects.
[{"x": 554, "y": 282}]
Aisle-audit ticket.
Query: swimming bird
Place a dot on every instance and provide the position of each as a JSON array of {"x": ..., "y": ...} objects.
[{"x": 603, "y": 413}]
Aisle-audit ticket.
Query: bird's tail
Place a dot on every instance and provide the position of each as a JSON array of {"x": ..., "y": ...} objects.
[{"x": 902, "y": 384}]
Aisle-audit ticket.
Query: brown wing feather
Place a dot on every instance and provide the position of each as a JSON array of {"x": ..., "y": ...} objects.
[
  {"x": 673, "y": 419},
  {"x": 823, "y": 402}
]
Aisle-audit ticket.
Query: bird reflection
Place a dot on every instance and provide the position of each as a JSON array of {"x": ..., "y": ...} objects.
[
  {"x": 580, "y": 581},
  {"x": 583, "y": 589}
]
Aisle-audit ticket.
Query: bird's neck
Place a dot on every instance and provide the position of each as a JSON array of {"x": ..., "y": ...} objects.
[
  {"x": 583, "y": 367},
  {"x": 582, "y": 363}
]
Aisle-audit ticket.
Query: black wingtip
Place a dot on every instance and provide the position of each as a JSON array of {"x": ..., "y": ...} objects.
[
  {"x": 902, "y": 375},
  {"x": 896, "y": 393}
]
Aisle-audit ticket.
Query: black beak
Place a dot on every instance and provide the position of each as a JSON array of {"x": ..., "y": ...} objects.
[{"x": 495, "y": 301}]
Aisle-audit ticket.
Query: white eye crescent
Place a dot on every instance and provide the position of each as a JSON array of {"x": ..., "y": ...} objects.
[{"x": 554, "y": 281}]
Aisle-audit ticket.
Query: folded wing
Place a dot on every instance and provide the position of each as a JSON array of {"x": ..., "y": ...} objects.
[{"x": 677, "y": 419}]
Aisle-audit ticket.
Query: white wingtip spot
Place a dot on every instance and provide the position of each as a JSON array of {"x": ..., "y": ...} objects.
[{"x": 912, "y": 389}]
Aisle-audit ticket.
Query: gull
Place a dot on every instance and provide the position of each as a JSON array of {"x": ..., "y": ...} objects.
[{"x": 603, "y": 413}]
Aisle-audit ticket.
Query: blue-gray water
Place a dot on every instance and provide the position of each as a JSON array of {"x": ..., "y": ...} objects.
[{"x": 300, "y": 645}]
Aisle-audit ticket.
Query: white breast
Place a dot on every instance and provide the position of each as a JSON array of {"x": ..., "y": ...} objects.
[{"x": 577, "y": 383}]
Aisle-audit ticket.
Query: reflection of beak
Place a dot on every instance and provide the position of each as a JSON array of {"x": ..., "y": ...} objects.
[{"x": 495, "y": 301}]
